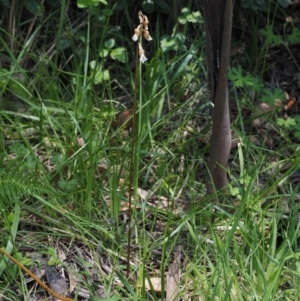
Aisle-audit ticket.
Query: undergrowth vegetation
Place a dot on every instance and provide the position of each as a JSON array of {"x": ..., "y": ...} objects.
[{"x": 66, "y": 94}]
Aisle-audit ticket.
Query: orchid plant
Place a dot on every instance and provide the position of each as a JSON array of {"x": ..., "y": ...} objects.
[{"x": 141, "y": 31}]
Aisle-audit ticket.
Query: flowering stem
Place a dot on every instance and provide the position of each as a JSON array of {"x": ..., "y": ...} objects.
[{"x": 132, "y": 155}]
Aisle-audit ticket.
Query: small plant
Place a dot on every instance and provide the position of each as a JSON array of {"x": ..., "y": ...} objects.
[
  {"x": 240, "y": 80},
  {"x": 271, "y": 37},
  {"x": 176, "y": 41},
  {"x": 118, "y": 53},
  {"x": 141, "y": 31},
  {"x": 286, "y": 123},
  {"x": 296, "y": 126}
]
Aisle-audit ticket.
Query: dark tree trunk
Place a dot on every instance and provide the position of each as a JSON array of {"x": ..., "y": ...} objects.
[{"x": 218, "y": 23}]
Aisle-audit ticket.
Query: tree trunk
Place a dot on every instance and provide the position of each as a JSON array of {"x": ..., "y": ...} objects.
[{"x": 218, "y": 23}]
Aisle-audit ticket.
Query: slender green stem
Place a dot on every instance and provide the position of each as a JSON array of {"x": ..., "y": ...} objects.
[{"x": 132, "y": 156}]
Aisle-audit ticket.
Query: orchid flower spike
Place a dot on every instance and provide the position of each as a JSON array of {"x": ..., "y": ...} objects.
[{"x": 142, "y": 29}]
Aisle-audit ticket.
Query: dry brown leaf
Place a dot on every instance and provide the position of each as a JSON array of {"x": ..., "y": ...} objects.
[
  {"x": 123, "y": 119},
  {"x": 173, "y": 278},
  {"x": 80, "y": 141},
  {"x": 72, "y": 283},
  {"x": 155, "y": 283}
]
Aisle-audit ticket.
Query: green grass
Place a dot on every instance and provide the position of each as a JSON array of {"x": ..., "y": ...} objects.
[{"x": 65, "y": 171}]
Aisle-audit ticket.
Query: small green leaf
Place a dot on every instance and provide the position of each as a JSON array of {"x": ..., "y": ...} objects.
[
  {"x": 234, "y": 191},
  {"x": 270, "y": 96},
  {"x": 167, "y": 43},
  {"x": 240, "y": 80},
  {"x": 290, "y": 122},
  {"x": 68, "y": 185},
  {"x": 99, "y": 75},
  {"x": 65, "y": 43},
  {"x": 10, "y": 218},
  {"x": 294, "y": 37},
  {"x": 87, "y": 3},
  {"x": 182, "y": 20},
  {"x": 271, "y": 38},
  {"x": 287, "y": 123},
  {"x": 58, "y": 159},
  {"x": 93, "y": 64},
  {"x": 175, "y": 43},
  {"x": 26, "y": 261},
  {"x": 110, "y": 43},
  {"x": 18, "y": 149},
  {"x": 236, "y": 76},
  {"x": 35, "y": 7},
  {"x": 119, "y": 54},
  {"x": 103, "y": 52},
  {"x": 194, "y": 17}
]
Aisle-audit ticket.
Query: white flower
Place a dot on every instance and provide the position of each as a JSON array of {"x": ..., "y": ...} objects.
[
  {"x": 143, "y": 58},
  {"x": 137, "y": 33},
  {"x": 146, "y": 35}
]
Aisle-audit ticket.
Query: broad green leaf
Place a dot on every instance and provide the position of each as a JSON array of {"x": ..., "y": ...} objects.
[
  {"x": 148, "y": 6},
  {"x": 119, "y": 54},
  {"x": 53, "y": 3},
  {"x": 36, "y": 7},
  {"x": 87, "y": 3},
  {"x": 122, "y": 5},
  {"x": 285, "y": 3},
  {"x": 269, "y": 96},
  {"x": 5, "y": 3},
  {"x": 110, "y": 43},
  {"x": 162, "y": 6}
]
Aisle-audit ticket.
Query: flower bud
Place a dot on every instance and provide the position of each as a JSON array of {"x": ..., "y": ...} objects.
[
  {"x": 146, "y": 35},
  {"x": 141, "y": 17},
  {"x": 142, "y": 56},
  {"x": 146, "y": 23},
  {"x": 137, "y": 33}
]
